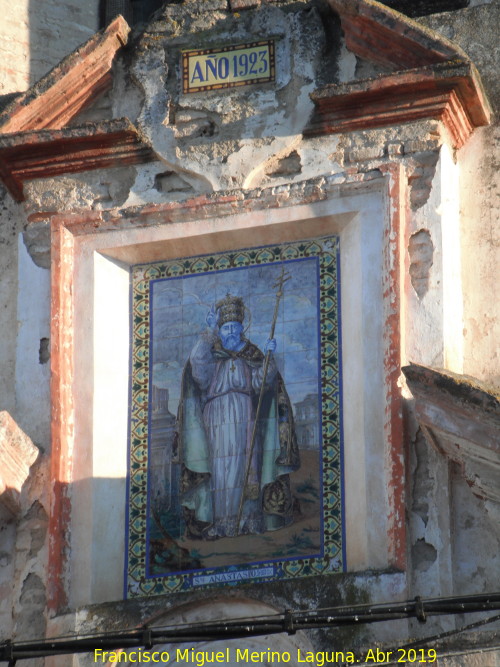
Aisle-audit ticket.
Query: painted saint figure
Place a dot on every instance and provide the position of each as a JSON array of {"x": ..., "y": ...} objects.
[{"x": 221, "y": 384}]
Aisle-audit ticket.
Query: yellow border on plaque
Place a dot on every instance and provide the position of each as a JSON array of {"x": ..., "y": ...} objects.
[{"x": 228, "y": 66}]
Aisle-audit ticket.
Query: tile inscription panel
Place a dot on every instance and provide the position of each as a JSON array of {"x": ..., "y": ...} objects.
[{"x": 227, "y": 67}]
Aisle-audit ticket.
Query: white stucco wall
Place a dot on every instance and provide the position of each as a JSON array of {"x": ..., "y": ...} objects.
[{"x": 33, "y": 346}]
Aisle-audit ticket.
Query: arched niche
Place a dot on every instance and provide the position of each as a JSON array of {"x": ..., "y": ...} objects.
[{"x": 223, "y": 609}]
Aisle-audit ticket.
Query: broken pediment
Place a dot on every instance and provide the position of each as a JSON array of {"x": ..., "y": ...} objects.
[
  {"x": 229, "y": 134},
  {"x": 380, "y": 34},
  {"x": 34, "y": 138},
  {"x": 69, "y": 87},
  {"x": 430, "y": 78}
]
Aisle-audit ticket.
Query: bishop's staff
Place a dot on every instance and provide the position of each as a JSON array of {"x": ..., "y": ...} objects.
[{"x": 284, "y": 277}]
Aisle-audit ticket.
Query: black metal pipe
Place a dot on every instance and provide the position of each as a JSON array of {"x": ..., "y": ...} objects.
[{"x": 289, "y": 621}]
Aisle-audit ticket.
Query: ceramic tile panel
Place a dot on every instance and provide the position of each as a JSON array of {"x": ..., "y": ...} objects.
[{"x": 235, "y": 453}]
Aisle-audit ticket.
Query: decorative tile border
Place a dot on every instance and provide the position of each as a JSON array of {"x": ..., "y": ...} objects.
[{"x": 324, "y": 253}]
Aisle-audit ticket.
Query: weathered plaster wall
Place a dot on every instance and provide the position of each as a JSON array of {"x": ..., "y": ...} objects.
[
  {"x": 475, "y": 30},
  {"x": 212, "y": 141},
  {"x": 474, "y": 568},
  {"x": 56, "y": 28},
  {"x": 448, "y": 523},
  {"x": 14, "y": 49},
  {"x": 23, "y": 560},
  {"x": 7, "y": 551},
  {"x": 33, "y": 349},
  {"x": 29, "y": 583},
  {"x": 10, "y": 227}
]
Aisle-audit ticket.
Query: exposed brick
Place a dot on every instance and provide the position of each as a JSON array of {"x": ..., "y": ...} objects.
[
  {"x": 238, "y": 5},
  {"x": 368, "y": 153},
  {"x": 420, "y": 146}
]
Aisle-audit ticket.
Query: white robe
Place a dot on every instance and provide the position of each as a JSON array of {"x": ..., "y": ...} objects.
[{"x": 231, "y": 387}]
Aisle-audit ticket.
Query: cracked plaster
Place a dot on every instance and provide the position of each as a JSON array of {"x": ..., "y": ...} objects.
[
  {"x": 248, "y": 126},
  {"x": 219, "y": 161}
]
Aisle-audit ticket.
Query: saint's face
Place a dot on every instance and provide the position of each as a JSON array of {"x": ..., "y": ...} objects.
[{"x": 230, "y": 335}]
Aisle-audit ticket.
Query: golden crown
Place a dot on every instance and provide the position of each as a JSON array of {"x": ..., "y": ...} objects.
[{"x": 230, "y": 309}]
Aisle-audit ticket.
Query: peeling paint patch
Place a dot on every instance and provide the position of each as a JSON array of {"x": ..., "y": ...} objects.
[
  {"x": 170, "y": 181},
  {"x": 38, "y": 525},
  {"x": 288, "y": 166},
  {"x": 421, "y": 175},
  {"x": 33, "y": 600},
  {"x": 44, "y": 350},
  {"x": 421, "y": 251},
  {"x": 424, "y": 555},
  {"x": 422, "y": 479}
]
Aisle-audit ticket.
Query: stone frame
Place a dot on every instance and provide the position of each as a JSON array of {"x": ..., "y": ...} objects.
[
  {"x": 85, "y": 243},
  {"x": 148, "y": 575}
]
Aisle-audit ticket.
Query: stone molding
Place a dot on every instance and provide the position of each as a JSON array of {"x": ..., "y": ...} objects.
[
  {"x": 461, "y": 418},
  {"x": 17, "y": 454},
  {"x": 450, "y": 92},
  {"x": 67, "y": 230},
  {"x": 44, "y": 153}
]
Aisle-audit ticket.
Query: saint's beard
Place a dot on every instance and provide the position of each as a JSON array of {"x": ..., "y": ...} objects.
[{"x": 231, "y": 341}]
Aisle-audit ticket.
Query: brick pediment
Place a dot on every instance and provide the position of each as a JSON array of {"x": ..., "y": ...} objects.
[
  {"x": 429, "y": 79},
  {"x": 380, "y": 34},
  {"x": 69, "y": 87}
]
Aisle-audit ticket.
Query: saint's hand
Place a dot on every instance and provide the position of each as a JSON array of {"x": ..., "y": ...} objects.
[
  {"x": 270, "y": 346},
  {"x": 211, "y": 318}
]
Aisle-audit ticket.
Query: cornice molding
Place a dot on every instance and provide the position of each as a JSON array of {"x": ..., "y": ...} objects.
[
  {"x": 450, "y": 92},
  {"x": 45, "y": 153}
]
